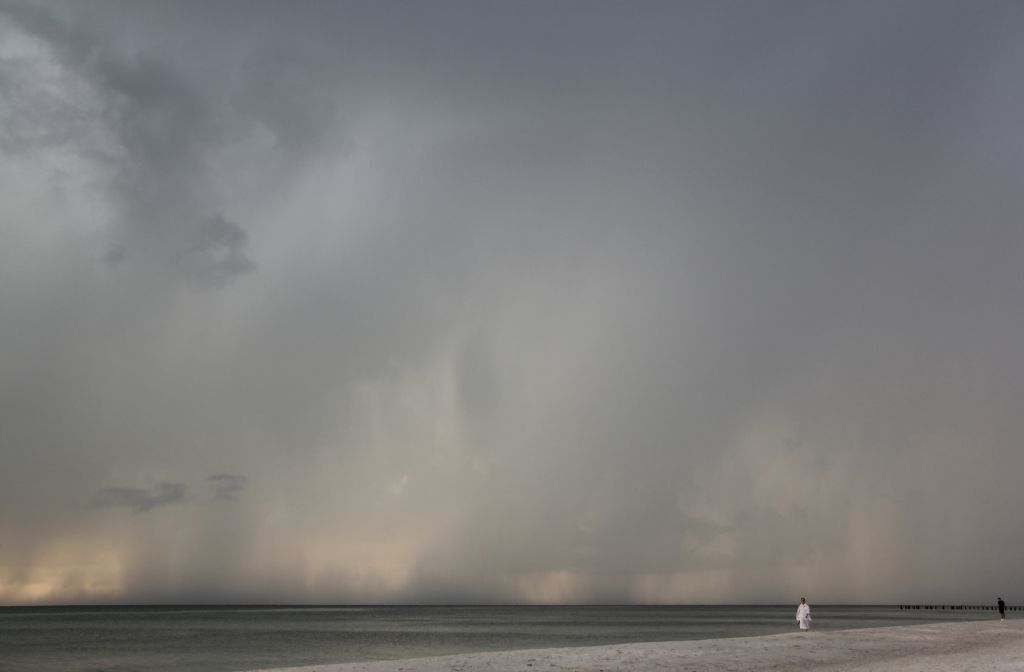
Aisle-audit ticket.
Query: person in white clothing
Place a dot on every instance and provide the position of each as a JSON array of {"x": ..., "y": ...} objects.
[{"x": 803, "y": 614}]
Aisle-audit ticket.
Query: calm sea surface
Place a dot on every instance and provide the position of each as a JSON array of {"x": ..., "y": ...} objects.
[{"x": 227, "y": 639}]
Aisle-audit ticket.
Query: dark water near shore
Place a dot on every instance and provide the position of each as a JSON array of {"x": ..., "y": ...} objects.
[{"x": 227, "y": 639}]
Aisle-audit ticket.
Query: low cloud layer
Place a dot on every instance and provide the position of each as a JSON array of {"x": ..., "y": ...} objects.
[
  {"x": 140, "y": 500},
  {"x": 510, "y": 302}
]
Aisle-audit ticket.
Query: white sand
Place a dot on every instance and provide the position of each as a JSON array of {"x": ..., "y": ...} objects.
[{"x": 941, "y": 647}]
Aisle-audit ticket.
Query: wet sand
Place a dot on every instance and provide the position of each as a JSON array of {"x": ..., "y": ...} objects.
[{"x": 939, "y": 647}]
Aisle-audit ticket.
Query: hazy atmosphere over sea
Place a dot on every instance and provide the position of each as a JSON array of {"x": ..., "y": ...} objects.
[{"x": 571, "y": 302}]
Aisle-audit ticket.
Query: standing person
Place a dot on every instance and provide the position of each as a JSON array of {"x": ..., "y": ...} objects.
[
  {"x": 1002, "y": 609},
  {"x": 803, "y": 614}
]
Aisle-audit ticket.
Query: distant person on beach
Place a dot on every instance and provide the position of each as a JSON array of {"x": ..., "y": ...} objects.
[
  {"x": 803, "y": 614},
  {"x": 1002, "y": 609}
]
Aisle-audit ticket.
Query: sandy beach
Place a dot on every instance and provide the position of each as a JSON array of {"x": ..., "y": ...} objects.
[{"x": 943, "y": 647}]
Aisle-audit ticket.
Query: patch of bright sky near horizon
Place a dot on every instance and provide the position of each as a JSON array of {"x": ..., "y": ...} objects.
[{"x": 511, "y": 302}]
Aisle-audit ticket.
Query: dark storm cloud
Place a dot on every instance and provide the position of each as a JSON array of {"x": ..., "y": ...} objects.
[
  {"x": 570, "y": 302},
  {"x": 227, "y": 486},
  {"x": 140, "y": 500},
  {"x": 153, "y": 131}
]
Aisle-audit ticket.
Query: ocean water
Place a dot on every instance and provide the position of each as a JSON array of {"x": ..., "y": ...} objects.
[{"x": 228, "y": 639}]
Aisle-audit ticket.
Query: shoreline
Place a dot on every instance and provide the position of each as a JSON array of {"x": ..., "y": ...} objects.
[{"x": 940, "y": 647}]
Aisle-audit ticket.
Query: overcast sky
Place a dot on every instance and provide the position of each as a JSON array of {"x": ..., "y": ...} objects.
[{"x": 556, "y": 302}]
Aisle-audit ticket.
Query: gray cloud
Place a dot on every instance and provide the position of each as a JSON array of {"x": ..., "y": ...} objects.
[
  {"x": 140, "y": 500},
  {"x": 115, "y": 255},
  {"x": 570, "y": 302},
  {"x": 227, "y": 486},
  {"x": 219, "y": 253},
  {"x": 153, "y": 131}
]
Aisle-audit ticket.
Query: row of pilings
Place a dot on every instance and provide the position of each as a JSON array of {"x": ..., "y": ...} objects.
[{"x": 956, "y": 607}]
